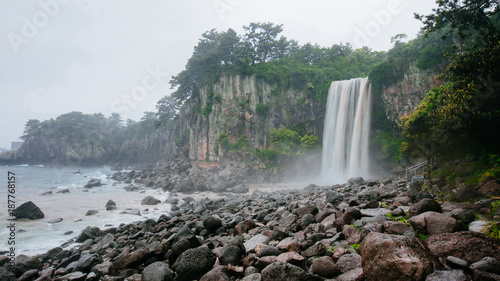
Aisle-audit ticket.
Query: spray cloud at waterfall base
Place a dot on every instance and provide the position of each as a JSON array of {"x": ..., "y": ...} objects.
[{"x": 346, "y": 132}]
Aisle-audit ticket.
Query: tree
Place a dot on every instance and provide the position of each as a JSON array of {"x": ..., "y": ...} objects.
[
  {"x": 31, "y": 126},
  {"x": 463, "y": 16},
  {"x": 167, "y": 109},
  {"x": 261, "y": 43}
]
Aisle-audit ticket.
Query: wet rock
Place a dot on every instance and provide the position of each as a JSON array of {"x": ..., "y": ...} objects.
[
  {"x": 455, "y": 262},
  {"x": 212, "y": 223},
  {"x": 352, "y": 234},
  {"x": 157, "y": 271},
  {"x": 150, "y": 200},
  {"x": 74, "y": 276},
  {"x": 465, "y": 193},
  {"x": 425, "y": 205},
  {"x": 110, "y": 205},
  {"x": 422, "y": 195},
  {"x": 28, "y": 211},
  {"x": 291, "y": 257},
  {"x": 434, "y": 223},
  {"x": 371, "y": 205},
  {"x": 57, "y": 220},
  {"x": 447, "y": 275},
  {"x": 325, "y": 267},
  {"x": 466, "y": 245},
  {"x": 93, "y": 183},
  {"x": 252, "y": 277},
  {"x": 355, "y": 180},
  {"x": 369, "y": 195},
  {"x": 91, "y": 212},
  {"x": 193, "y": 263},
  {"x": 280, "y": 271},
  {"x": 63, "y": 191},
  {"x": 89, "y": 233},
  {"x": 86, "y": 262},
  {"x": 29, "y": 275},
  {"x": 396, "y": 257},
  {"x": 465, "y": 216},
  {"x": 131, "y": 260}
]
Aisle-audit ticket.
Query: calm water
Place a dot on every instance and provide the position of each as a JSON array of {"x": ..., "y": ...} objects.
[{"x": 38, "y": 236}]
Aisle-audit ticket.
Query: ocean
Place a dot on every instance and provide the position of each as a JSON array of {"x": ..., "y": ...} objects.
[{"x": 38, "y": 236}]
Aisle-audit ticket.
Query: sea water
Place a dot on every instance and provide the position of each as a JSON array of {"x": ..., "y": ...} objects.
[{"x": 37, "y": 236}]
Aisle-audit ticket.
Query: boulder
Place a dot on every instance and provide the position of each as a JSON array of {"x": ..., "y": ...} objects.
[
  {"x": 194, "y": 263},
  {"x": 434, "y": 223},
  {"x": 129, "y": 261},
  {"x": 280, "y": 271},
  {"x": 157, "y": 271},
  {"x": 355, "y": 180},
  {"x": 349, "y": 262},
  {"x": 28, "y": 211},
  {"x": 258, "y": 239},
  {"x": 353, "y": 275},
  {"x": 89, "y": 233},
  {"x": 465, "y": 193},
  {"x": 396, "y": 257},
  {"x": 491, "y": 188},
  {"x": 334, "y": 197},
  {"x": 395, "y": 227},
  {"x": 91, "y": 212},
  {"x": 93, "y": 183},
  {"x": 425, "y": 205},
  {"x": 467, "y": 245},
  {"x": 150, "y": 200},
  {"x": 325, "y": 267},
  {"x": 212, "y": 223}
]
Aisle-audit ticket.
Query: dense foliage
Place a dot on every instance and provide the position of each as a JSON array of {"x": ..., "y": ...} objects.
[
  {"x": 261, "y": 51},
  {"x": 463, "y": 115}
]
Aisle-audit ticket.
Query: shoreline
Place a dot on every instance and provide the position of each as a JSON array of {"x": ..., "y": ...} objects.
[{"x": 294, "y": 232}]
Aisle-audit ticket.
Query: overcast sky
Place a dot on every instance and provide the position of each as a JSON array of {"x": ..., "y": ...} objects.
[{"x": 58, "y": 56}]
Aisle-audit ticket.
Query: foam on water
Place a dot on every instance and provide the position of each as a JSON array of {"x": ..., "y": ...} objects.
[{"x": 38, "y": 236}]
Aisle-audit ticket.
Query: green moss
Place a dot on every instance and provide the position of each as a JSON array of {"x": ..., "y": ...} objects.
[{"x": 261, "y": 109}]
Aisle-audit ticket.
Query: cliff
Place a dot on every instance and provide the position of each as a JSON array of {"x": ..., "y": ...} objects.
[
  {"x": 245, "y": 106},
  {"x": 403, "y": 97}
]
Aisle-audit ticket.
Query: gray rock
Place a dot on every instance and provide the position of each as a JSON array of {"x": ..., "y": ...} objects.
[
  {"x": 57, "y": 220},
  {"x": 259, "y": 239},
  {"x": 352, "y": 275},
  {"x": 434, "y": 223},
  {"x": 334, "y": 197},
  {"x": 149, "y": 200},
  {"x": 349, "y": 262},
  {"x": 267, "y": 250},
  {"x": 252, "y": 277},
  {"x": 455, "y": 262},
  {"x": 28, "y": 211},
  {"x": 241, "y": 188},
  {"x": 279, "y": 271},
  {"x": 157, "y": 271},
  {"x": 488, "y": 264},
  {"x": 318, "y": 249},
  {"x": 447, "y": 275},
  {"x": 63, "y": 191},
  {"x": 306, "y": 220},
  {"x": 91, "y": 212},
  {"x": 193, "y": 263},
  {"x": 219, "y": 273},
  {"x": 212, "y": 223},
  {"x": 89, "y": 233},
  {"x": 86, "y": 262},
  {"x": 93, "y": 183}
]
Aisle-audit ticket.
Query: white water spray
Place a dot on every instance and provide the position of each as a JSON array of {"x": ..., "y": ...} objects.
[{"x": 346, "y": 132}]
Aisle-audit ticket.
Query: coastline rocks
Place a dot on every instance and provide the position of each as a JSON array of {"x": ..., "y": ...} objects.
[
  {"x": 150, "y": 200},
  {"x": 193, "y": 263},
  {"x": 396, "y": 258},
  {"x": 110, "y": 205},
  {"x": 28, "y": 211},
  {"x": 93, "y": 183},
  {"x": 89, "y": 233}
]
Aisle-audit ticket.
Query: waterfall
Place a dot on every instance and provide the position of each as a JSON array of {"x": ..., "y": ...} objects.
[{"x": 346, "y": 131}]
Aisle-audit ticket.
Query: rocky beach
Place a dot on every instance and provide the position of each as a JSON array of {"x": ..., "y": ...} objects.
[{"x": 391, "y": 229}]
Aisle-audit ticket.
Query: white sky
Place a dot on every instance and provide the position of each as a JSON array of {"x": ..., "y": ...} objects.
[{"x": 58, "y": 56}]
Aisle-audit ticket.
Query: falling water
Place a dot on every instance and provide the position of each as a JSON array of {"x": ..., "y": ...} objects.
[{"x": 347, "y": 127}]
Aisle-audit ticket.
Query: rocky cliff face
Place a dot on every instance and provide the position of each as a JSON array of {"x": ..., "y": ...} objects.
[
  {"x": 403, "y": 98},
  {"x": 235, "y": 112}
]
